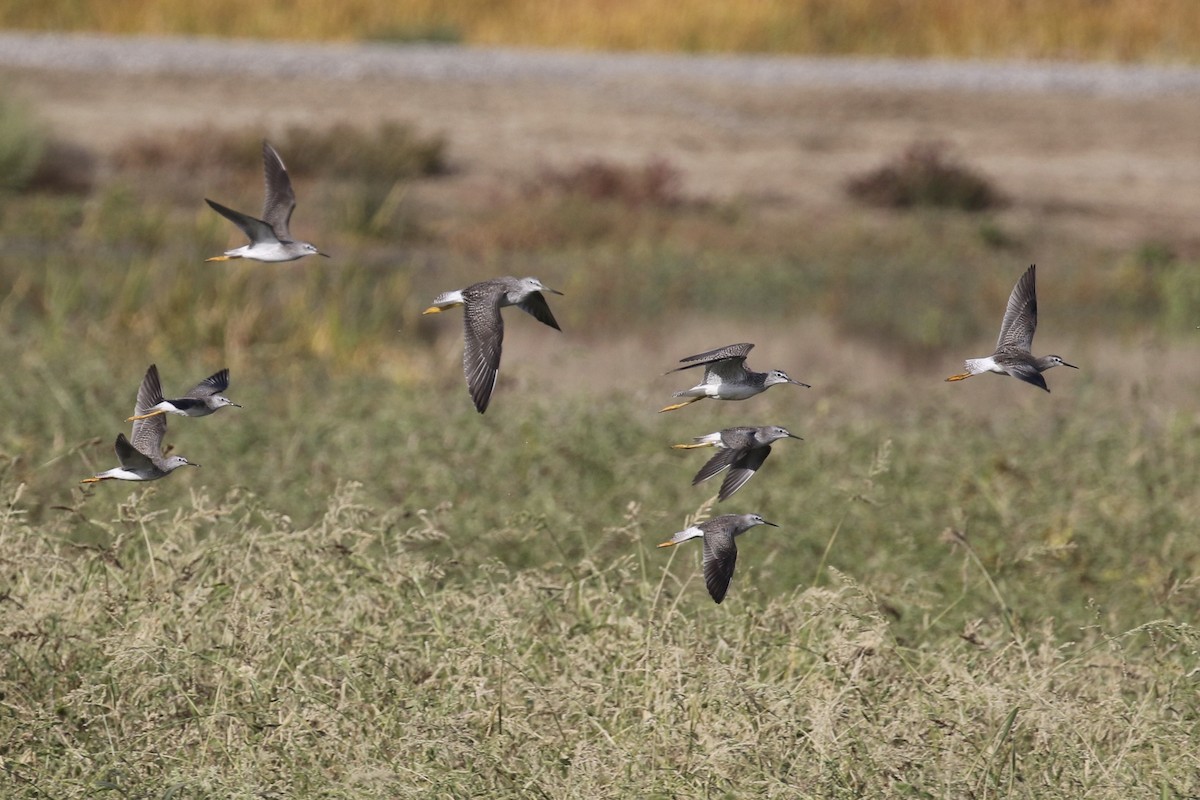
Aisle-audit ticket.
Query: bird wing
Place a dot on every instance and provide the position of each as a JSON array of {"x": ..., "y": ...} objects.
[
  {"x": 718, "y": 462},
  {"x": 280, "y": 200},
  {"x": 536, "y": 306},
  {"x": 129, "y": 456},
  {"x": 720, "y": 557},
  {"x": 1020, "y": 316},
  {"x": 726, "y": 370},
  {"x": 255, "y": 229},
  {"x": 482, "y": 339},
  {"x": 742, "y": 469},
  {"x": 148, "y": 433},
  {"x": 213, "y": 384},
  {"x": 736, "y": 353},
  {"x": 1028, "y": 373}
]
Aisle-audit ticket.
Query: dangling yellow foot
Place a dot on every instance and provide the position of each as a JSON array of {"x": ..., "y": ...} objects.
[
  {"x": 144, "y": 416},
  {"x": 431, "y": 310},
  {"x": 689, "y": 446},
  {"x": 960, "y": 377},
  {"x": 665, "y": 544},
  {"x": 221, "y": 258},
  {"x": 689, "y": 401},
  {"x": 91, "y": 480}
]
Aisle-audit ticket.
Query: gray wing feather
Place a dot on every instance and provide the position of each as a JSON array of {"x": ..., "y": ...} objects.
[
  {"x": 738, "y": 438},
  {"x": 536, "y": 306},
  {"x": 213, "y": 384},
  {"x": 720, "y": 558},
  {"x": 1020, "y": 316},
  {"x": 1027, "y": 373},
  {"x": 742, "y": 469},
  {"x": 718, "y": 462},
  {"x": 733, "y": 351},
  {"x": 280, "y": 200},
  {"x": 129, "y": 457},
  {"x": 255, "y": 229},
  {"x": 148, "y": 434},
  {"x": 483, "y": 337}
]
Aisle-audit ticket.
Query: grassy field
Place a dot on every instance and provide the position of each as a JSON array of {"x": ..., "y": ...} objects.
[
  {"x": 368, "y": 590},
  {"x": 1122, "y": 30}
]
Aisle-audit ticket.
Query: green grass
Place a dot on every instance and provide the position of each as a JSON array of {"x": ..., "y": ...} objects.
[{"x": 368, "y": 590}]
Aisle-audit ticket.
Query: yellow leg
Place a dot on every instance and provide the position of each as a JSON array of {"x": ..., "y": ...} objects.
[
  {"x": 91, "y": 480},
  {"x": 145, "y": 416},
  {"x": 690, "y": 446},
  {"x": 222, "y": 258},
  {"x": 666, "y": 544},
  {"x": 674, "y": 406},
  {"x": 432, "y": 310},
  {"x": 960, "y": 377}
]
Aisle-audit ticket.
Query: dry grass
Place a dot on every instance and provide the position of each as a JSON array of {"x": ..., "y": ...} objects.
[
  {"x": 369, "y": 590},
  {"x": 219, "y": 650},
  {"x": 1122, "y": 30}
]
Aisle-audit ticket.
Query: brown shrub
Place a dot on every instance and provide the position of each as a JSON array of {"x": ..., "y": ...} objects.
[
  {"x": 656, "y": 183},
  {"x": 391, "y": 151},
  {"x": 926, "y": 174}
]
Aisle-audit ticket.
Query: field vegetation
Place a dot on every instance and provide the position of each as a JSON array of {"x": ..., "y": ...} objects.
[
  {"x": 368, "y": 590},
  {"x": 1120, "y": 30}
]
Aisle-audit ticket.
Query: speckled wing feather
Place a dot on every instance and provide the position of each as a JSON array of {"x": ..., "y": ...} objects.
[
  {"x": 733, "y": 351},
  {"x": 213, "y": 384},
  {"x": 720, "y": 558},
  {"x": 742, "y": 469},
  {"x": 483, "y": 336},
  {"x": 536, "y": 306},
  {"x": 280, "y": 200},
  {"x": 1020, "y": 316},
  {"x": 148, "y": 433}
]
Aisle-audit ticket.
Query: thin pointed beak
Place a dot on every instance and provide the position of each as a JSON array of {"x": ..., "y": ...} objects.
[
  {"x": 772, "y": 524},
  {"x": 1072, "y": 366},
  {"x": 794, "y": 436},
  {"x": 554, "y": 291},
  {"x": 324, "y": 254},
  {"x": 236, "y": 405},
  {"x": 798, "y": 383},
  {"x": 190, "y": 464}
]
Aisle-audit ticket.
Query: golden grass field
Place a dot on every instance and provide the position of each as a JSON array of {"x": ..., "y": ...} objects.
[
  {"x": 1120, "y": 30},
  {"x": 368, "y": 590}
]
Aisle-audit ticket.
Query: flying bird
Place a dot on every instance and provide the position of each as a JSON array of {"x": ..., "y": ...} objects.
[
  {"x": 742, "y": 449},
  {"x": 269, "y": 236},
  {"x": 726, "y": 376},
  {"x": 720, "y": 551},
  {"x": 483, "y": 327},
  {"x": 203, "y": 399},
  {"x": 142, "y": 458},
  {"x": 1013, "y": 356}
]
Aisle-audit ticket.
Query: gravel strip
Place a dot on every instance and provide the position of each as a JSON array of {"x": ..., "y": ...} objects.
[{"x": 200, "y": 56}]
